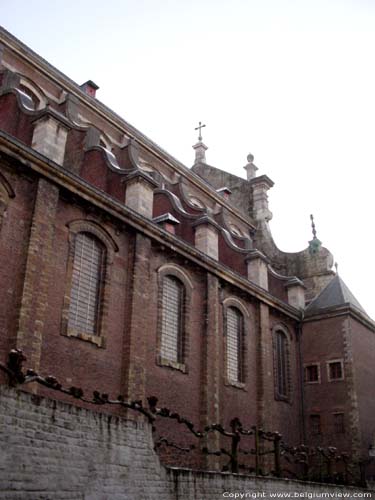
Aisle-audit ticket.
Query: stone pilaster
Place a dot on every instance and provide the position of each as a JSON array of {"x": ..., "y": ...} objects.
[
  {"x": 265, "y": 376},
  {"x": 34, "y": 302},
  {"x": 138, "y": 326},
  {"x": 210, "y": 382},
  {"x": 139, "y": 194},
  {"x": 257, "y": 271},
  {"x": 296, "y": 293},
  {"x": 354, "y": 430},
  {"x": 207, "y": 236},
  {"x": 50, "y": 134}
]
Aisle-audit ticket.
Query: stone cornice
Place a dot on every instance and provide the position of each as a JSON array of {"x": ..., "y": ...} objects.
[
  {"x": 49, "y": 112},
  {"x": 167, "y": 217},
  {"x": 137, "y": 175},
  {"x": 294, "y": 281},
  {"x": 205, "y": 219},
  {"x": 75, "y": 184},
  {"x": 262, "y": 179},
  {"x": 256, "y": 254}
]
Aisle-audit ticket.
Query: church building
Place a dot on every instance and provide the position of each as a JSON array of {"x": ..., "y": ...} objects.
[{"x": 122, "y": 270}]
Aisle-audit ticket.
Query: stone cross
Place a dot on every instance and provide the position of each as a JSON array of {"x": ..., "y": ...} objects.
[{"x": 200, "y": 126}]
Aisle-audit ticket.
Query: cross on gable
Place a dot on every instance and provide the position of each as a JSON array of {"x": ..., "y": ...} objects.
[{"x": 200, "y": 126}]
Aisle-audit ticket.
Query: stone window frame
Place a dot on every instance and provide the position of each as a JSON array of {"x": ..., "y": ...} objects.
[
  {"x": 236, "y": 303},
  {"x": 307, "y": 365},
  {"x": 110, "y": 248},
  {"x": 329, "y": 363},
  {"x": 289, "y": 388},
  {"x": 178, "y": 273},
  {"x": 6, "y": 193}
]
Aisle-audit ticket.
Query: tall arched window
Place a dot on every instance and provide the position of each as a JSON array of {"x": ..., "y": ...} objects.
[
  {"x": 172, "y": 345},
  {"x": 281, "y": 352},
  {"x": 235, "y": 344},
  {"x": 87, "y": 274}
]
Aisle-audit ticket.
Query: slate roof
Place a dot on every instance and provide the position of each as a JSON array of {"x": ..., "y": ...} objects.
[{"x": 335, "y": 294}]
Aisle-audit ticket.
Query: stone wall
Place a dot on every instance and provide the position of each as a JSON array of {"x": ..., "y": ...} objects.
[
  {"x": 190, "y": 485},
  {"x": 52, "y": 450}
]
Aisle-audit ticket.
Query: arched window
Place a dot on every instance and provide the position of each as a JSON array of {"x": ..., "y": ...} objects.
[
  {"x": 281, "y": 358},
  {"x": 87, "y": 275},
  {"x": 235, "y": 344},
  {"x": 172, "y": 318},
  {"x": 86, "y": 310}
]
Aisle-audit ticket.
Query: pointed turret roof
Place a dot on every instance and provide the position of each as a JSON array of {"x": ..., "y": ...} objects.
[{"x": 335, "y": 294}]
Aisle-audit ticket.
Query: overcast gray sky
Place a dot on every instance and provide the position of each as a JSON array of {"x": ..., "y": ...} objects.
[{"x": 292, "y": 82}]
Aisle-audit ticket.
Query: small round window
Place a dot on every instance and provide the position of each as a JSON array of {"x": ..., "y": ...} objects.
[{"x": 33, "y": 97}]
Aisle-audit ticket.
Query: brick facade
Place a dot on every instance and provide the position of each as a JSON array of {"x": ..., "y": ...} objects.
[{"x": 96, "y": 174}]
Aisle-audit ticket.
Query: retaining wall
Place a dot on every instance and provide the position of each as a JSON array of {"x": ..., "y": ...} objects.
[{"x": 53, "y": 450}]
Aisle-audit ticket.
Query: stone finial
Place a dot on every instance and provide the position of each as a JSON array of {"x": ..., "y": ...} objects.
[{"x": 250, "y": 168}]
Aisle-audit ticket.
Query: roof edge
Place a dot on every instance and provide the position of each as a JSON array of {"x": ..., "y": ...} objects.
[
  {"x": 341, "y": 310},
  {"x": 25, "y": 52}
]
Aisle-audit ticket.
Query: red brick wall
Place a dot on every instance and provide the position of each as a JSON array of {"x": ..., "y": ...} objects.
[
  {"x": 175, "y": 389},
  {"x": 13, "y": 120},
  {"x": 127, "y": 364},
  {"x": 324, "y": 341},
  {"x": 286, "y": 415},
  {"x": 14, "y": 236},
  {"x": 75, "y": 361}
]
